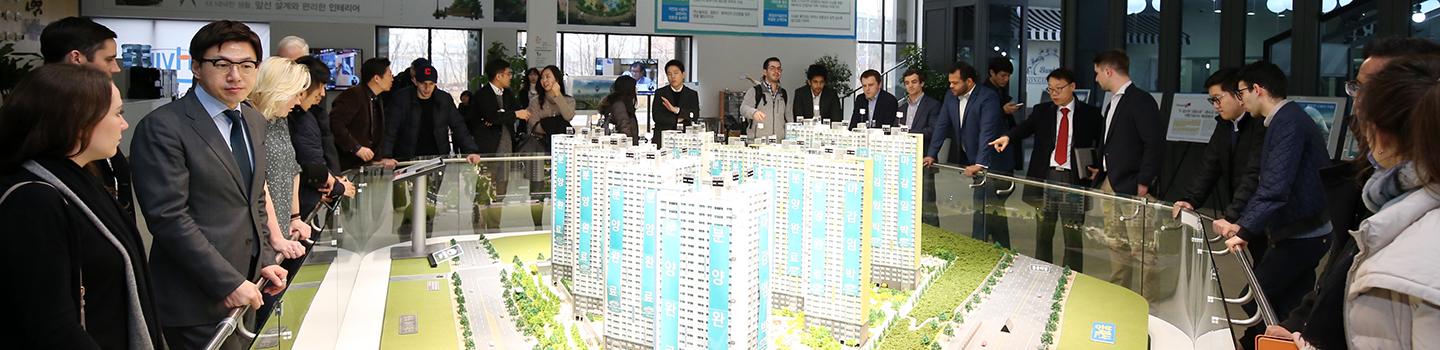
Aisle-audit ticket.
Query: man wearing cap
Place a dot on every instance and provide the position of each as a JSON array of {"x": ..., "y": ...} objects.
[{"x": 424, "y": 121}]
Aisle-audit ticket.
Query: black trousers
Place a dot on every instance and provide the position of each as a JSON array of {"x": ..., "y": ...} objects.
[
  {"x": 989, "y": 221},
  {"x": 1068, "y": 210},
  {"x": 1286, "y": 274}
]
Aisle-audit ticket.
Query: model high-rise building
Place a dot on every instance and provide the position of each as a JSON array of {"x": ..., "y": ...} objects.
[
  {"x": 896, "y": 177},
  {"x": 836, "y": 263},
  {"x": 633, "y": 185},
  {"x": 587, "y": 173},
  {"x": 714, "y": 263}
]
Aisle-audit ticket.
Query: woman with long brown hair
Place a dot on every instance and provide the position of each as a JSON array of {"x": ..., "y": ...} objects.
[{"x": 79, "y": 273}]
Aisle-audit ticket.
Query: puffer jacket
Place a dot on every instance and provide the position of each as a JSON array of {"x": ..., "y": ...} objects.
[{"x": 1393, "y": 300}]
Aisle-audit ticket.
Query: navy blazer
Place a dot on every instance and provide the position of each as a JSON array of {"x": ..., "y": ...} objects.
[
  {"x": 1135, "y": 147},
  {"x": 924, "y": 117},
  {"x": 984, "y": 122},
  {"x": 1289, "y": 188},
  {"x": 884, "y": 113}
]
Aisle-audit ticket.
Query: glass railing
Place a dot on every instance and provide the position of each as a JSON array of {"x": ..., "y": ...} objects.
[{"x": 1157, "y": 285}]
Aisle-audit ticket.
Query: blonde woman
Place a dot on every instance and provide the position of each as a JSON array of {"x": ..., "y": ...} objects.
[{"x": 280, "y": 86}]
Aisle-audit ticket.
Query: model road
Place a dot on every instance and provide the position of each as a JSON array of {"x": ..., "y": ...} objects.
[
  {"x": 484, "y": 299},
  {"x": 1022, "y": 296}
]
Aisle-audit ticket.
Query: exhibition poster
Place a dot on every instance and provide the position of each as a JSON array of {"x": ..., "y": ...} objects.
[
  {"x": 1192, "y": 119},
  {"x": 598, "y": 12},
  {"x": 811, "y": 18}
]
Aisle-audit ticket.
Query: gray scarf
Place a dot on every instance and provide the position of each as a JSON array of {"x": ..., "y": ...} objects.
[
  {"x": 138, "y": 331},
  {"x": 1385, "y": 186}
]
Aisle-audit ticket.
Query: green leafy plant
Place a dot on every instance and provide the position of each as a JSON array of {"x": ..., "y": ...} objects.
[
  {"x": 936, "y": 82},
  {"x": 518, "y": 65},
  {"x": 840, "y": 73},
  {"x": 13, "y": 67}
]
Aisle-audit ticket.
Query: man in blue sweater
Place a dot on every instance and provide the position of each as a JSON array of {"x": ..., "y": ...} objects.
[{"x": 1288, "y": 206}]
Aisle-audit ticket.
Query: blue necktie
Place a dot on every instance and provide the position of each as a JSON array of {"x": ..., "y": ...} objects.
[{"x": 238, "y": 149}]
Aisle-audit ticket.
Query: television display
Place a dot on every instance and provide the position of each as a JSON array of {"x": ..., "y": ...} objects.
[
  {"x": 645, "y": 71},
  {"x": 342, "y": 63}
]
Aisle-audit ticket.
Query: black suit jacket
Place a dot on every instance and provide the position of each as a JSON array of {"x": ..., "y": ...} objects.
[
  {"x": 1135, "y": 147},
  {"x": 804, "y": 104},
  {"x": 924, "y": 117},
  {"x": 884, "y": 113},
  {"x": 1224, "y": 169},
  {"x": 209, "y": 231},
  {"x": 402, "y": 128},
  {"x": 1085, "y": 126},
  {"x": 489, "y": 117},
  {"x": 355, "y": 125},
  {"x": 687, "y": 100}
]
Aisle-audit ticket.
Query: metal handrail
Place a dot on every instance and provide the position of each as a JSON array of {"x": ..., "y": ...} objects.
[
  {"x": 1263, "y": 308},
  {"x": 451, "y": 160},
  {"x": 234, "y": 321}
]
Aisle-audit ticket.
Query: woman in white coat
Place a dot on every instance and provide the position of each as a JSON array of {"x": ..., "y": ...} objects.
[{"x": 1393, "y": 297}]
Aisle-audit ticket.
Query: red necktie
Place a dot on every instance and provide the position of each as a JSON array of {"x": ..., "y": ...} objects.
[{"x": 1062, "y": 138}]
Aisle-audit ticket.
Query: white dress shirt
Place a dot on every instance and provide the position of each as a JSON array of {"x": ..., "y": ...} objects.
[{"x": 1110, "y": 116}]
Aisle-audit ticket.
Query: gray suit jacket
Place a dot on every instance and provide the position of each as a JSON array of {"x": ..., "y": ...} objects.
[{"x": 208, "y": 232}]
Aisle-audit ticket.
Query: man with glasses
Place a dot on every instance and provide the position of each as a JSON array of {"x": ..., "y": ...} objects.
[
  {"x": 199, "y": 177},
  {"x": 766, "y": 106},
  {"x": 1065, "y": 131},
  {"x": 1233, "y": 149},
  {"x": 1288, "y": 206}
]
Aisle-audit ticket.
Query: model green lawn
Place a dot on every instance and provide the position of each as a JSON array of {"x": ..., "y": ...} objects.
[
  {"x": 1092, "y": 300},
  {"x": 972, "y": 262},
  {"x": 296, "y": 301},
  {"x": 527, "y": 247},
  {"x": 434, "y": 310}
]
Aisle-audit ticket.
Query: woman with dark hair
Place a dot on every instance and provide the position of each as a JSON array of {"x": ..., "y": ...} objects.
[
  {"x": 529, "y": 88},
  {"x": 1393, "y": 297},
  {"x": 619, "y": 108},
  {"x": 464, "y": 106},
  {"x": 82, "y": 280},
  {"x": 550, "y": 114}
]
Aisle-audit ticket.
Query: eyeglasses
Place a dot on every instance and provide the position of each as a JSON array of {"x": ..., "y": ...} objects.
[
  {"x": 1241, "y": 91},
  {"x": 1214, "y": 100},
  {"x": 245, "y": 67},
  {"x": 1057, "y": 90},
  {"x": 1352, "y": 88}
]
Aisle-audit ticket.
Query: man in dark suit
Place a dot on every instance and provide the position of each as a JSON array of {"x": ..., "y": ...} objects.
[
  {"x": 422, "y": 121},
  {"x": 1064, "y": 130},
  {"x": 1288, "y": 206},
  {"x": 971, "y": 116},
  {"x": 1131, "y": 151},
  {"x": 1001, "y": 70},
  {"x": 876, "y": 107},
  {"x": 492, "y": 118},
  {"x": 1234, "y": 146},
  {"x": 358, "y": 116},
  {"x": 919, "y": 112},
  {"x": 814, "y": 96},
  {"x": 199, "y": 163},
  {"x": 81, "y": 41},
  {"x": 674, "y": 104}
]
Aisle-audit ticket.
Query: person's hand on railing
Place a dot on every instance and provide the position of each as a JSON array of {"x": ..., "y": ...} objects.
[
  {"x": 299, "y": 230},
  {"x": 1000, "y": 143},
  {"x": 473, "y": 158},
  {"x": 929, "y": 162},
  {"x": 246, "y": 294},
  {"x": 349, "y": 187},
  {"x": 388, "y": 163},
  {"x": 1094, "y": 172},
  {"x": 275, "y": 275},
  {"x": 1235, "y": 243},
  {"x": 1141, "y": 190},
  {"x": 1224, "y": 228},
  {"x": 287, "y": 248},
  {"x": 1181, "y": 205},
  {"x": 973, "y": 169}
]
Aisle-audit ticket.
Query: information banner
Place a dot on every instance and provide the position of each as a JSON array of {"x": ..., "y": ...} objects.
[
  {"x": 1192, "y": 118},
  {"x": 803, "y": 18}
]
